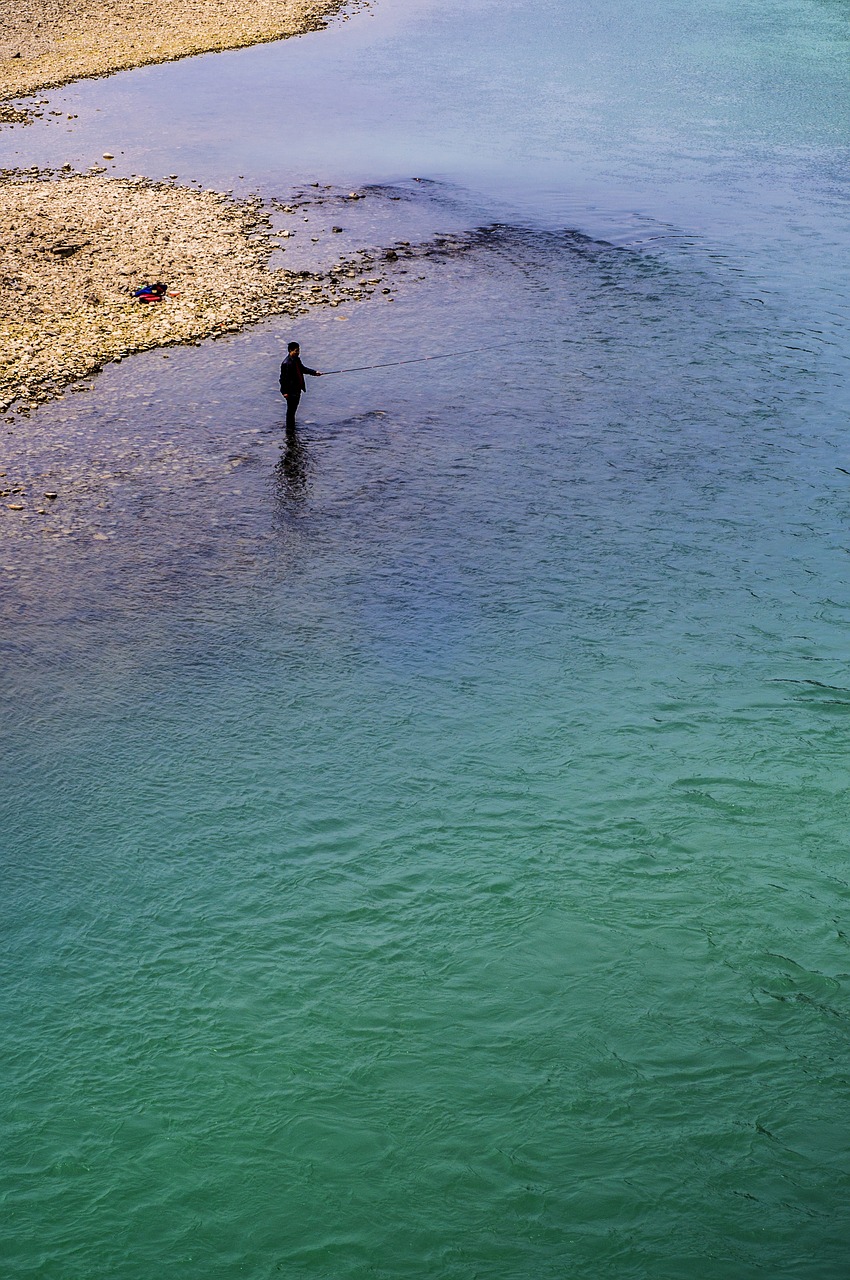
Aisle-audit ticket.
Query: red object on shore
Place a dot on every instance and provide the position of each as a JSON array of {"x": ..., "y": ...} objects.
[{"x": 151, "y": 292}]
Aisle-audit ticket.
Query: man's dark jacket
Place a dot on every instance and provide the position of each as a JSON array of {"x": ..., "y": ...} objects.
[{"x": 292, "y": 375}]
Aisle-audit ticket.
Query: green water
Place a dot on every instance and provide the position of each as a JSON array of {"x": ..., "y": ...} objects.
[{"x": 425, "y": 844}]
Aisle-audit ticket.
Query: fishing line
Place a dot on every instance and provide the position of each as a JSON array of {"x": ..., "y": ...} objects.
[{"x": 448, "y": 355}]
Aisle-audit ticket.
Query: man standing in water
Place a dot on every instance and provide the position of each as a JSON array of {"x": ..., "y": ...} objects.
[{"x": 292, "y": 382}]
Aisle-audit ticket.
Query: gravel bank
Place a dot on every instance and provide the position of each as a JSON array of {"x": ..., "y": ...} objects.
[
  {"x": 73, "y": 247},
  {"x": 44, "y": 43},
  {"x": 77, "y": 246}
]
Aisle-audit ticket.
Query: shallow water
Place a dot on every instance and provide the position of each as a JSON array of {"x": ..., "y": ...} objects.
[{"x": 428, "y": 839}]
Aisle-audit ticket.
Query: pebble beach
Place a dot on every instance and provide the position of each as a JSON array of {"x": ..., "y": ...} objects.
[
  {"x": 76, "y": 246},
  {"x": 44, "y": 43}
]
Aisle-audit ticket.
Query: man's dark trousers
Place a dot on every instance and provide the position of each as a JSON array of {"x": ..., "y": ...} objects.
[{"x": 292, "y": 401}]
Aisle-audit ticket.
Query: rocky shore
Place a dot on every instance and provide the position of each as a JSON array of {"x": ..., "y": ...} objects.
[
  {"x": 45, "y": 43},
  {"x": 77, "y": 247}
]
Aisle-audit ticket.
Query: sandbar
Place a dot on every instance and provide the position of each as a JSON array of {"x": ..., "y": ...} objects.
[
  {"x": 45, "y": 43},
  {"x": 74, "y": 247},
  {"x": 77, "y": 247}
]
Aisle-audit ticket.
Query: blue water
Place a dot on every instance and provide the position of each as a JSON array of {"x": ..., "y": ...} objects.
[{"x": 426, "y": 841}]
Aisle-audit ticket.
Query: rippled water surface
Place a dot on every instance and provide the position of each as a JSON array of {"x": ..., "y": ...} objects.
[{"x": 426, "y": 840}]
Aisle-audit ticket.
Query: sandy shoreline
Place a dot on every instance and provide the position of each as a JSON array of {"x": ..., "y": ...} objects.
[
  {"x": 45, "y": 43},
  {"x": 76, "y": 246}
]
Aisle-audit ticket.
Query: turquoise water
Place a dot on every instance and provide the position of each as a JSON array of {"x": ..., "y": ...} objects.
[{"x": 426, "y": 842}]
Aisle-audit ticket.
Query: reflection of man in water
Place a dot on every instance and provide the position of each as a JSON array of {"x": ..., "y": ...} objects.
[
  {"x": 292, "y": 382},
  {"x": 292, "y": 470}
]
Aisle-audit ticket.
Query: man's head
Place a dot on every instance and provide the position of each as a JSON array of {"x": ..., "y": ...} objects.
[{"x": 293, "y": 348}]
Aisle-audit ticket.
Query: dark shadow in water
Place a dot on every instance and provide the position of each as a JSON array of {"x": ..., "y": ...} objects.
[{"x": 292, "y": 473}]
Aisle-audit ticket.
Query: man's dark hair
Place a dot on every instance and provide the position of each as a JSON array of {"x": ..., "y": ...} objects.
[{"x": 293, "y": 346}]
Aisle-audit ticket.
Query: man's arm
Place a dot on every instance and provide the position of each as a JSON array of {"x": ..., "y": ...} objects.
[{"x": 314, "y": 373}]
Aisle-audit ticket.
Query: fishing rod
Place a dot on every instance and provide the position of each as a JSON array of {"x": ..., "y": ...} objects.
[{"x": 448, "y": 355}]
